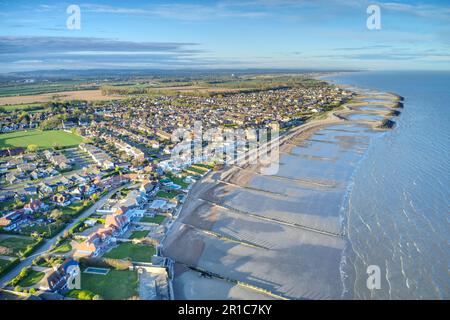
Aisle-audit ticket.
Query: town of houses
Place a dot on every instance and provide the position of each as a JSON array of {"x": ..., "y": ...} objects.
[{"x": 115, "y": 190}]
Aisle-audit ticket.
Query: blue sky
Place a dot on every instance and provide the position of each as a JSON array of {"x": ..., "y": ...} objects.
[{"x": 320, "y": 34}]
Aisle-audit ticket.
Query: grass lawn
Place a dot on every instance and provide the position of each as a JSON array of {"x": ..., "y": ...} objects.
[
  {"x": 196, "y": 169},
  {"x": 116, "y": 285},
  {"x": 134, "y": 252},
  {"x": 139, "y": 234},
  {"x": 204, "y": 166},
  {"x": 15, "y": 244},
  {"x": 43, "y": 139},
  {"x": 7, "y": 205},
  {"x": 75, "y": 208},
  {"x": 156, "y": 219},
  {"x": 50, "y": 229},
  {"x": 64, "y": 247},
  {"x": 180, "y": 182},
  {"x": 166, "y": 194},
  {"x": 31, "y": 278}
]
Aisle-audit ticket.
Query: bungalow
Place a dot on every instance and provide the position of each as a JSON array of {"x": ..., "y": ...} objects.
[
  {"x": 12, "y": 152},
  {"x": 12, "y": 220},
  {"x": 30, "y": 190},
  {"x": 6, "y": 196}
]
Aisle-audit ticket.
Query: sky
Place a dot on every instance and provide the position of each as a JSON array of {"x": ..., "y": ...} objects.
[{"x": 230, "y": 34}]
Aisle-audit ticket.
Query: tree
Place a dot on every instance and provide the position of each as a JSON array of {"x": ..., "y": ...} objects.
[
  {"x": 94, "y": 197},
  {"x": 67, "y": 234},
  {"x": 55, "y": 214},
  {"x": 32, "y": 148}
]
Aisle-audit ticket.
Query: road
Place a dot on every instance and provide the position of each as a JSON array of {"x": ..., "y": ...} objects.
[{"x": 50, "y": 242}]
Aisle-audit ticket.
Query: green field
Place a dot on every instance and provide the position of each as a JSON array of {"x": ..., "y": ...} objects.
[
  {"x": 116, "y": 285},
  {"x": 139, "y": 234},
  {"x": 15, "y": 244},
  {"x": 31, "y": 278},
  {"x": 43, "y": 139},
  {"x": 30, "y": 107},
  {"x": 134, "y": 252},
  {"x": 167, "y": 194},
  {"x": 156, "y": 219},
  {"x": 75, "y": 208}
]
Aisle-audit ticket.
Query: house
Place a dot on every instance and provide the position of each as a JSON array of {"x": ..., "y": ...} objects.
[
  {"x": 138, "y": 213},
  {"x": 12, "y": 152},
  {"x": 34, "y": 206},
  {"x": 45, "y": 189},
  {"x": 6, "y": 196},
  {"x": 31, "y": 190},
  {"x": 101, "y": 158},
  {"x": 26, "y": 167},
  {"x": 95, "y": 244},
  {"x": 11, "y": 178},
  {"x": 133, "y": 199},
  {"x": 84, "y": 190},
  {"x": 57, "y": 280},
  {"x": 117, "y": 222},
  {"x": 147, "y": 187},
  {"x": 62, "y": 199},
  {"x": 67, "y": 125},
  {"x": 57, "y": 159},
  {"x": 12, "y": 220}
]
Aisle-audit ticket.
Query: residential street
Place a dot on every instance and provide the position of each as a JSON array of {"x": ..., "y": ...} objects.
[{"x": 50, "y": 242}]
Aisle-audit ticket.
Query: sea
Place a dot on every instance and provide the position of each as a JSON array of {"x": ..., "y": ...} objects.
[{"x": 396, "y": 216}]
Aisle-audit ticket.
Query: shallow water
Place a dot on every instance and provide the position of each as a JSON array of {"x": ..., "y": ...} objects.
[
  {"x": 397, "y": 211},
  {"x": 365, "y": 117},
  {"x": 373, "y": 108}
]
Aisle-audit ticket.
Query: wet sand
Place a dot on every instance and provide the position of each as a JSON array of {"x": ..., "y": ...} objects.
[{"x": 277, "y": 233}]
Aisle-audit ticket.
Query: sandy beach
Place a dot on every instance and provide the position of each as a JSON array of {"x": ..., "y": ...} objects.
[{"x": 278, "y": 234}]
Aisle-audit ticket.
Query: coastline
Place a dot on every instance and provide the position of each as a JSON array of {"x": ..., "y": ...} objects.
[{"x": 210, "y": 202}]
